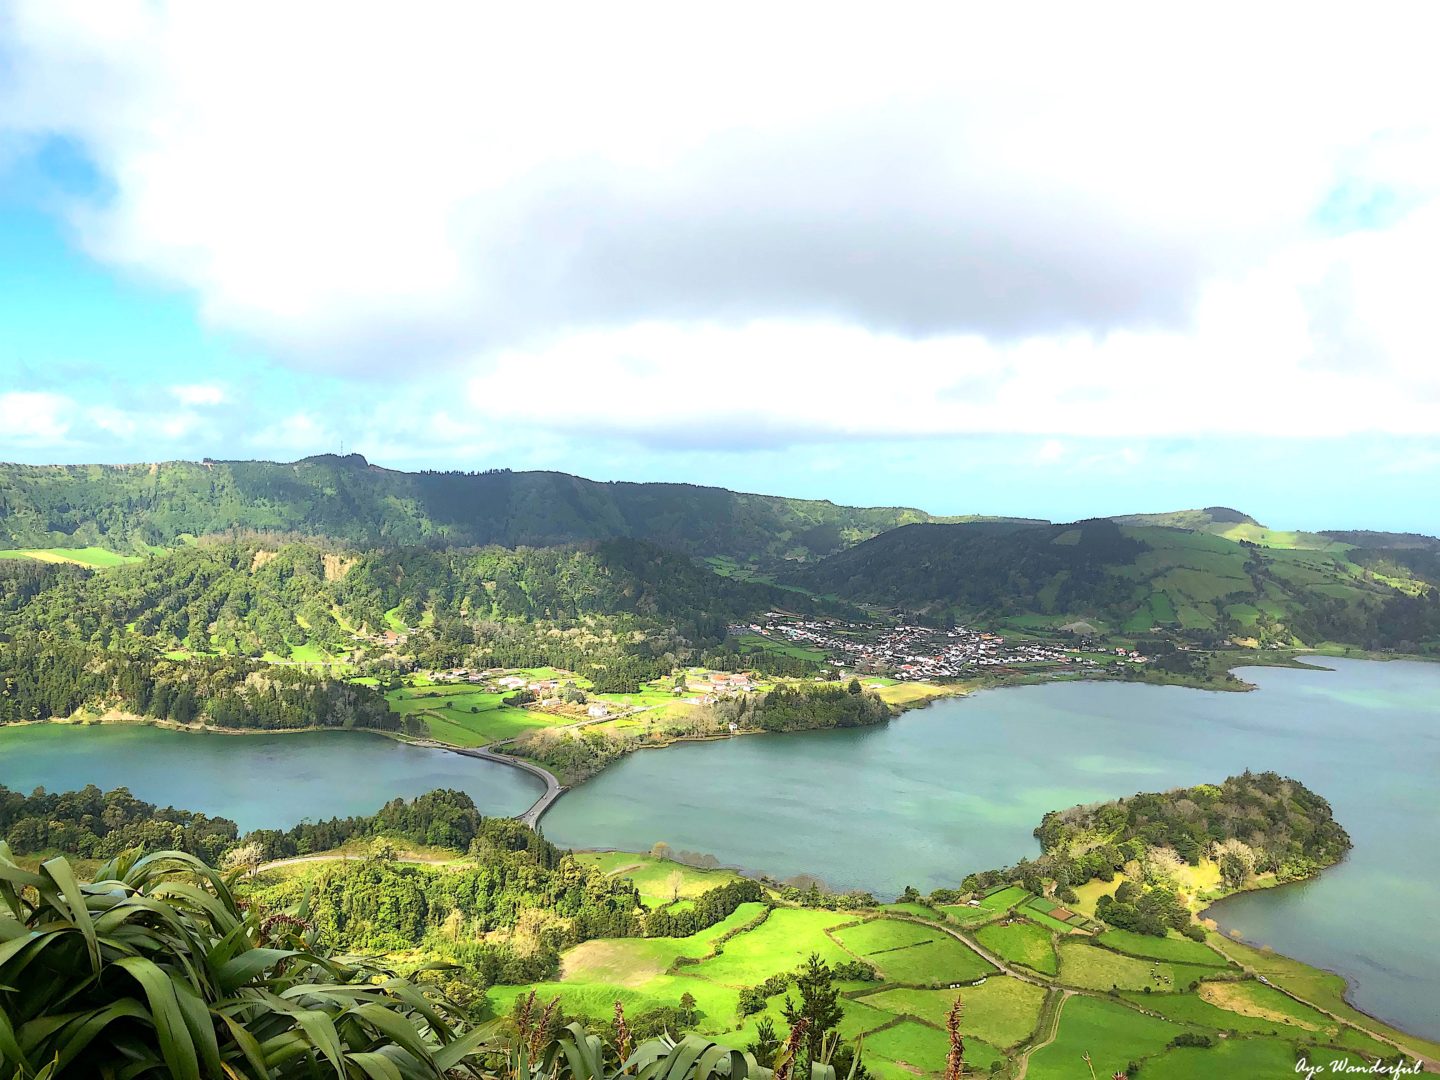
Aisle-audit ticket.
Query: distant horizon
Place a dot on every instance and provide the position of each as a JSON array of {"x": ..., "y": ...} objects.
[
  {"x": 1261, "y": 519},
  {"x": 864, "y": 272}
]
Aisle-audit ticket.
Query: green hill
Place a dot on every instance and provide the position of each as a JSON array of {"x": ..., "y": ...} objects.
[
  {"x": 127, "y": 508},
  {"x": 1132, "y": 578},
  {"x": 311, "y": 599}
]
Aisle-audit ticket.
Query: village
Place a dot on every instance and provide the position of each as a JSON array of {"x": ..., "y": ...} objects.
[{"x": 910, "y": 652}]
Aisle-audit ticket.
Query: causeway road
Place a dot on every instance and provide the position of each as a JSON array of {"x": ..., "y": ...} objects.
[{"x": 553, "y": 788}]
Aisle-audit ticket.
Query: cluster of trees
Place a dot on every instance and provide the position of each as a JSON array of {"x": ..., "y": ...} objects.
[
  {"x": 504, "y": 919},
  {"x": 440, "y": 818},
  {"x": 804, "y": 707},
  {"x": 1251, "y": 823},
  {"x": 707, "y": 909},
  {"x": 95, "y": 824},
  {"x": 40, "y": 680},
  {"x": 1152, "y": 910},
  {"x": 1291, "y": 829}
]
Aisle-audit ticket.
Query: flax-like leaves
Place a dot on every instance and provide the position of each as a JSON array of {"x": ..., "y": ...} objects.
[{"x": 154, "y": 970}]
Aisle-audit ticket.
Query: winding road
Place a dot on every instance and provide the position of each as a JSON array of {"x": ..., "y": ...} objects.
[{"x": 553, "y": 788}]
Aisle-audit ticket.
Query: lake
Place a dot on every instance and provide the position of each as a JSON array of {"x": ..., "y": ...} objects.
[
  {"x": 923, "y": 800},
  {"x": 959, "y": 786},
  {"x": 259, "y": 781}
]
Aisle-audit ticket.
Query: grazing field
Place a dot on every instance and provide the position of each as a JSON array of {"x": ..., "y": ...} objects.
[
  {"x": 1325, "y": 989},
  {"x": 95, "y": 557},
  {"x": 1180, "y": 950},
  {"x": 779, "y": 944},
  {"x": 922, "y": 911},
  {"x": 1087, "y": 965},
  {"x": 1111, "y": 1033},
  {"x": 464, "y": 716},
  {"x": 1255, "y": 999},
  {"x": 635, "y": 961},
  {"x": 913, "y": 954},
  {"x": 909, "y": 693},
  {"x": 1230, "y": 1057},
  {"x": 1039, "y": 909},
  {"x": 659, "y": 880},
  {"x": 1021, "y": 942},
  {"x": 761, "y": 643},
  {"x": 1002, "y": 1010}
]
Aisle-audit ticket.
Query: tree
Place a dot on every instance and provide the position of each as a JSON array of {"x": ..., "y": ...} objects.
[
  {"x": 247, "y": 857},
  {"x": 854, "y": 686},
  {"x": 766, "y": 1043},
  {"x": 661, "y": 850},
  {"x": 819, "y": 1007},
  {"x": 674, "y": 883}
]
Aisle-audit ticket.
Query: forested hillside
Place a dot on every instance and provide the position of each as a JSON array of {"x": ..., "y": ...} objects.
[
  {"x": 126, "y": 507},
  {"x": 1132, "y": 578},
  {"x": 256, "y": 595}
]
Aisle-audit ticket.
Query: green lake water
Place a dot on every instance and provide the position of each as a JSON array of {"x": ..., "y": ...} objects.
[
  {"x": 923, "y": 800},
  {"x": 259, "y": 781},
  {"x": 959, "y": 786}
]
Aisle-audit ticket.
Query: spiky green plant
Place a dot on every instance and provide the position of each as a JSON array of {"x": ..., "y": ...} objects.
[
  {"x": 576, "y": 1054},
  {"x": 155, "y": 970}
]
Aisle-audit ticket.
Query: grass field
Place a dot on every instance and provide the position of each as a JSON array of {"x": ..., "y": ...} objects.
[
  {"x": 1325, "y": 989},
  {"x": 1002, "y": 1010},
  {"x": 1021, "y": 942},
  {"x": 761, "y": 643},
  {"x": 779, "y": 944},
  {"x": 633, "y": 962},
  {"x": 1111, "y": 1033},
  {"x": 95, "y": 557},
  {"x": 913, "y": 954},
  {"x": 1087, "y": 965},
  {"x": 1039, "y": 909},
  {"x": 657, "y": 879},
  {"x": 1179, "y": 949},
  {"x": 464, "y": 716}
]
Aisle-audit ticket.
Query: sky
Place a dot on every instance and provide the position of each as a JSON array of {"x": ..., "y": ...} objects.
[{"x": 1052, "y": 262}]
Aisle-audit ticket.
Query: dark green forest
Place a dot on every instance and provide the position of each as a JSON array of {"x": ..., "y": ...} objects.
[{"x": 125, "y": 507}]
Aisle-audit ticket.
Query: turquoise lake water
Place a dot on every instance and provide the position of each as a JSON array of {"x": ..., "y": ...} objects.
[
  {"x": 923, "y": 800},
  {"x": 258, "y": 781},
  {"x": 960, "y": 786}
]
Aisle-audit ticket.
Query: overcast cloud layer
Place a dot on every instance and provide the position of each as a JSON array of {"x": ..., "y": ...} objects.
[{"x": 762, "y": 226}]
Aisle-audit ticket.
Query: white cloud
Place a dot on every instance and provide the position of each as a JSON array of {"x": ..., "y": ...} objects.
[
  {"x": 298, "y": 434},
  {"x": 113, "y": 421},
  {"x": 34, "y": 419},
  {"x": 783, "y": 224},
  {"x": 199, "y": 394}
]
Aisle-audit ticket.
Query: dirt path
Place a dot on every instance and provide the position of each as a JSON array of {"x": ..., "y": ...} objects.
[{"x": 1065, "y": 995}]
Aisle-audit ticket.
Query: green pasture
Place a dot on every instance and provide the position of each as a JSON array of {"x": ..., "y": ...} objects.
[
  {"x": 657, "y": 879},
  {"x": 913, "y": 953},
  {"x": 464, "y": 716},
  {"x": 1002, "y": 1011},
  {"x": 1021, "y": 942},
  {"x": 1172, "y": 947},
  {"x": 761, "y": 643},
  {"x": 1112, "y": 1034},
  {"x": 636, "y": 961},
  {"x": 1088, "y": 965},
  {"x": 781, "y": 943},
  {"x": 97, "y": 558}
]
